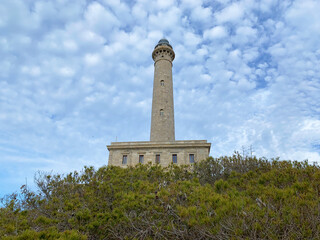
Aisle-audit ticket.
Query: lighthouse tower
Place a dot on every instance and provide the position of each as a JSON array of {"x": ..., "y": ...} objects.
[{"x": 162, "y": 118}]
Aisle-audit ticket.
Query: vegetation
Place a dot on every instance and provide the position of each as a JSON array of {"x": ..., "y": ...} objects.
[{"x": 223, "y": 198}]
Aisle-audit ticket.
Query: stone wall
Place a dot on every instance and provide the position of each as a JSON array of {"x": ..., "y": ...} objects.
[{"x": 182, "y": 149}]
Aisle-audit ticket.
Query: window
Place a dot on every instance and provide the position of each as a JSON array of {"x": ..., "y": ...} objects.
[
  {"x": 174, "y": 158},
  {"x": 158, "y": 158},
  {"x": 141, "y": 158},
  {"x": 191, "y": 158},
  {"x": 161, "y": 112},
  {"x": 124, "y": 159},
  {"x": 162, "y": 83}
]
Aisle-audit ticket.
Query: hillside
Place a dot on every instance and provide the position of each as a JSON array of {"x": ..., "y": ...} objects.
[{"x": 223, "y": 198}]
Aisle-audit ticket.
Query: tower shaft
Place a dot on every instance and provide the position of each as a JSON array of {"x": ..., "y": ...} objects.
[{"x": 162, "y": 118}]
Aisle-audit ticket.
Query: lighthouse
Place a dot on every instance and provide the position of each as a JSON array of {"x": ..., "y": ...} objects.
[
  {"x": 162, "y": 117},
  {"x": 162, "y": 148}
]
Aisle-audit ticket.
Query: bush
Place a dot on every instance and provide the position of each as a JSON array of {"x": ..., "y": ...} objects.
[{"x": 218, "y": 198}]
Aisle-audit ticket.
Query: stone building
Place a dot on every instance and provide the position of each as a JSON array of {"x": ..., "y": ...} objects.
[{"x": 162, "y": 148}]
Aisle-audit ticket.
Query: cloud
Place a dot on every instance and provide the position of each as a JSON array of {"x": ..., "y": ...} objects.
[
  {"x": 100, "y": 19},
  {"x": 231, "y": 13},
  {"x": 92, "y": 59},
  {"x": 78, "y": 75},
  {"x": 201, "y": 14},
  {"x": 165, "y": 4},
  {"x": 13, "y": 21},
  {"x": 191, "y": 39},
  {"x": 165, "y": 21},
  {"x": 245, "y": 34},
  {"x": 303, "y": 15},
  {"x": 215, "y": 33},
  {"x": 191, "y": 3}
]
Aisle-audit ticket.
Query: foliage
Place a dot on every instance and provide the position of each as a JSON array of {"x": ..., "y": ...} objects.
[{"x": 223, "y": 198}]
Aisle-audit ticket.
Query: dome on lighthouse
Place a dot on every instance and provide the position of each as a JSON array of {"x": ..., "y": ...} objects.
[{"x": 163, "y": 41}]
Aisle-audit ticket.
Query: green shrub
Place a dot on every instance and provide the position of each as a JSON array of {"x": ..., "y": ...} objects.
[{"x": 218, "y": 198}]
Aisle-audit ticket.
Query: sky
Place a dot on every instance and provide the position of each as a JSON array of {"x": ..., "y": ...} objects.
[{"x": 76, "y": 75}]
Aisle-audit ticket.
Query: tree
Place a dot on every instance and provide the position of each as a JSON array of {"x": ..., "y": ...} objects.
[{"x": 218, "y": 198}]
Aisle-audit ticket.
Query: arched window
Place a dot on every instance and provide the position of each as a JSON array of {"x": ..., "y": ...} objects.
[
  {"x": 162, "y": 83},
  {"x": 161, "y": 112}
]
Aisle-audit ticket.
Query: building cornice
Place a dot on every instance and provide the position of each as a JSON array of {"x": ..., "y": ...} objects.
[{"x": 148, "y": 145}]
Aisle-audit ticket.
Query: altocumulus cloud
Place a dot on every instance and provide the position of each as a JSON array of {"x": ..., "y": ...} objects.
[{"x": 76, "y": 75}]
